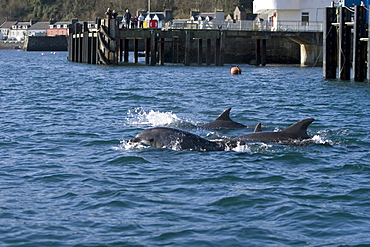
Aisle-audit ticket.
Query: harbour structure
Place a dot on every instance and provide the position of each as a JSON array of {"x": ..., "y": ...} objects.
[
  {"x": 286, "y": 14},
  {"x": 111, "y": 44},
  {"x": 346, "y": 43}
]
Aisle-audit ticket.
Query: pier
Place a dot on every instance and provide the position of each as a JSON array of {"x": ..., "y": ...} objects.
[
  {"x": 111, "y": 45},
  {"x": 346, "y": 47}
]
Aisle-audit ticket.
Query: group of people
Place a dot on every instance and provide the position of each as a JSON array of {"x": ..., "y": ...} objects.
[
  {"x": 132, "y": 22},
  {"x": 128, "y": 21}
]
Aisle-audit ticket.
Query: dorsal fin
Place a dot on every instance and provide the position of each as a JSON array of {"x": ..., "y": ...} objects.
[
  {"x": 225, "y": 115},
  {"x": 258, "y": 128},
  {"x": 300, "y": 128}
]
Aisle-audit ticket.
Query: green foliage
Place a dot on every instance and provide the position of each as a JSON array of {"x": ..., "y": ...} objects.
[{"x": 44, "y": 10}]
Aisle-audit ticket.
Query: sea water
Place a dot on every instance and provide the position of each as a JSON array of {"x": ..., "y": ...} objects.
[{"x": 68, "y": 177}]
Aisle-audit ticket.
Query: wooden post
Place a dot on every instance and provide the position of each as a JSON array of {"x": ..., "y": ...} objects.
[
  {"x": 80, "y": 46},
  {"x": 174, "y": 42},
  {"x": 136, "y": 52},
  {"x": 153, "y": 48},
  {"x": 147, "y": 51},
  {"x": 344, "y": 44},
  {"x": 217, "y": 52},
  {"x": 90, "y": 43},
  {"x": 222, "y": 48},
  {"x": 208, "y": 52},
  {"x": 94, "y": 47},
  {"x": 85, "y": 47},
  {"x": 263, "y": 52},
  {"x": 75, "y": 43},
  {"x": 121, "y": 50},
  {"x": 85, "y": 43},
  {"x": 70, "y": 43},
  {"x": 200, "y": 51},
  {"x": 330, "y": 44},
  {"x": 359, "y": 47},
  {"x": 161, "y": 51},
  {"x": 127, "y": 50},
  {"x": 187, "y": 48},
  {"x": 78, "y": 30},
  {"x": 258, "y": 52}
]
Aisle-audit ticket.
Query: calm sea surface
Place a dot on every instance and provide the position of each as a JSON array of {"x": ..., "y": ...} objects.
[{"x": 69, "y": 178}]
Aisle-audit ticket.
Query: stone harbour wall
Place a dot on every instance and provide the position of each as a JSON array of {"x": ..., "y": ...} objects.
[{"x": 43, "y": 43}]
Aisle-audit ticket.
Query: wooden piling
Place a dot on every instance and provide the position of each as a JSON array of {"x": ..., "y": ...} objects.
[
  {"x": 126, "y": 45},
  {"x": 217, "y": 51},
  {"x": 222, "y": 48},
  {"x": 208, "y": 52},
  {"x": 94, "y": 48},
  {"x": 258, "y": 52},
  {"x": 153, "y": 48},
  {"x": 161, "y": 51},
  {"x": 263, "y": 52},
  {"x": 359, "y": 47},
  {"x": 187, "y": 48},
  {"x": 200, "y": 51},
  {"x": 344, "y": 44},
  {"x": 330, "y": 44},
  {"x": 147, "y": 51},
  {"x": 136, "y": 50}
]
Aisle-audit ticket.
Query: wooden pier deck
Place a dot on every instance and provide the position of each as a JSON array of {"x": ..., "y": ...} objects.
[{"x": 111, "y": 44}]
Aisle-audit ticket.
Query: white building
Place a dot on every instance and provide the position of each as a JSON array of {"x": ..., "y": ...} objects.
[
  {"x": 18, "y": 30},
  {"x": 291, "y": 15}
]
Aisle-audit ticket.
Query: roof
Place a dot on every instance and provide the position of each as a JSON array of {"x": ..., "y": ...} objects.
[
  {"x": 22, "y": 23},
  {"x": 196, "y": 17},
  {"x": 40, "y": 26},
  {"x": 240, "y": 8},
  {"x": 160, "y": 16},
  {"x": 62, "y": 23},
  {"x": 8, "y": 24}
]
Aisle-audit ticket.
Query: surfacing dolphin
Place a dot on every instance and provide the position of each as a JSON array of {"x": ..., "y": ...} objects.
[
  {"x": 224, "y": 122},
  {"x": 163, "y": 137},
  {"x": 291, "y": 135}
]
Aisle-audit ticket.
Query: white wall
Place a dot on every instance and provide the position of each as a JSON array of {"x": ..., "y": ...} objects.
[
  {"x": 291, "y": 10},
  {"x": 261, "y": 5}
]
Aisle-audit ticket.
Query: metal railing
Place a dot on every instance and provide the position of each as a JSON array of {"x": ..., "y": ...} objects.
[{"x": 279, "y": 26}]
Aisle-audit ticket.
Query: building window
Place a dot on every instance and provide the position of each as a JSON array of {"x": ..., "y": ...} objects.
[{"x": 305, "y": 18}]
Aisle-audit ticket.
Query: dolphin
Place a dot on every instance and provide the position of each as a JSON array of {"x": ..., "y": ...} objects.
[
  {"x": 224, "y": 122},
  {"x": 292, "y": 134},
  {"x": 258, "y": 128},
  {"x": 164, "y": 137}
]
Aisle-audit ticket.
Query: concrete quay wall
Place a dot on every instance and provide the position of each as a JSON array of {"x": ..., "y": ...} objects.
[{"x": 43, "y": 43}]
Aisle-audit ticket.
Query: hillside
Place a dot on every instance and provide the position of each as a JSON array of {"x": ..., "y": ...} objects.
[{"x": 43, "y": 10}]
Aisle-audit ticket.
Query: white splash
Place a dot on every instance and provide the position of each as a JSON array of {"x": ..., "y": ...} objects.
[
  {"x": 154, "y": 118},
  {"x": 319, "y": 140},
  {"x": 241, "y": 148},
  {"x": 126, "y": 145}
]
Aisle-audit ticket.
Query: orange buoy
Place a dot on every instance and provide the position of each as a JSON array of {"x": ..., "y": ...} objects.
[{"x": 235, "y": 70}]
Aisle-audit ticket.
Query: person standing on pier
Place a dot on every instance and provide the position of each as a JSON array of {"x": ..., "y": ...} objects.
[
  {"x": 127, "y": 18},
  {"x": 141, "y": 20},
  {"x": 135, "y": 22}
]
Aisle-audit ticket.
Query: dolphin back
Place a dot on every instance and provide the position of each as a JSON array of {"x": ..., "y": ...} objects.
[
  {"x": 223, "y": 121},
  {"x": 299, "y": 129},
  {"x": 225, "y": 115}
]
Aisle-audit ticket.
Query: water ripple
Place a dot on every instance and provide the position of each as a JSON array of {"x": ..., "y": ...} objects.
[{"x": 67, "y": 177}]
